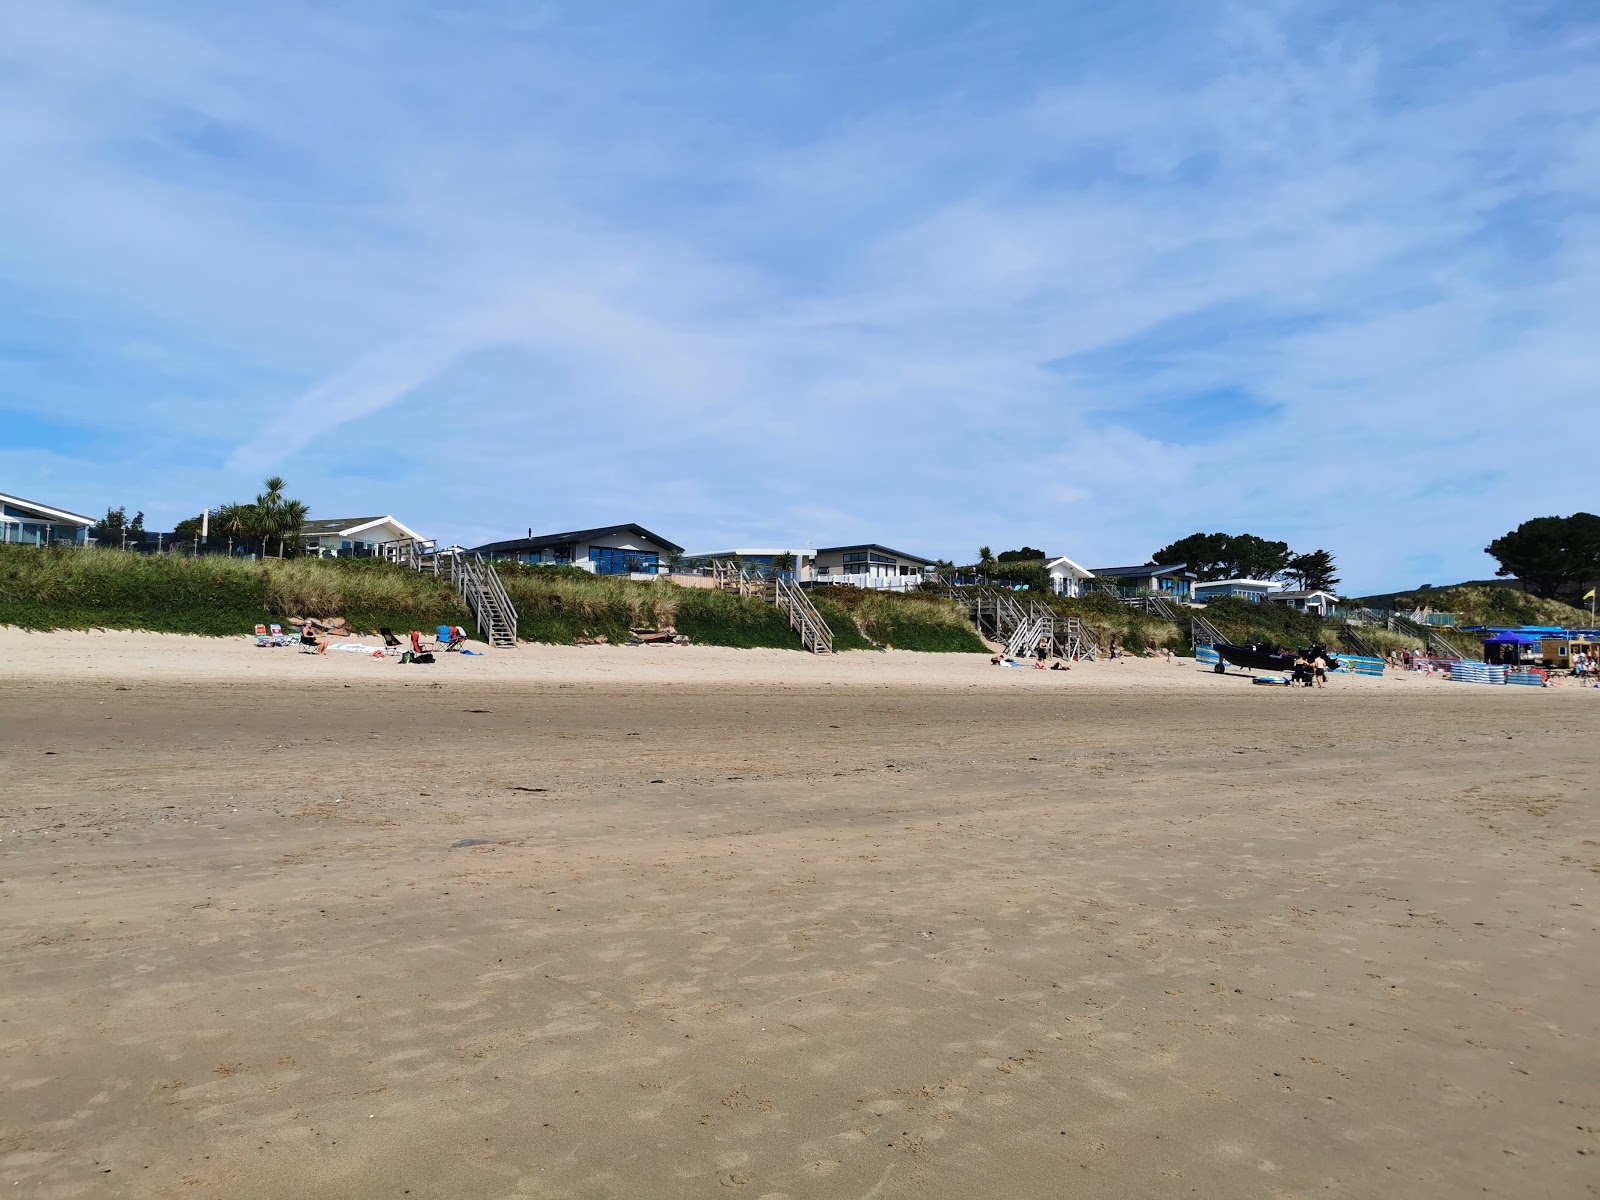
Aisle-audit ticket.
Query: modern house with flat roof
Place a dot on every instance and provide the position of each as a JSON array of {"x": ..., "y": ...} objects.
[
  {"x": 1317, "y": 603},
  {"x": 1067, "y": 577},
  {"x": 1253, "y": 590},
  {"x": 607, "y": 550},
  {"x": 1173, "y": 580},
  {"x": 756, "y": 556},
  {"x": 761, "y": 559},
  {"x": 871, "y": 566},
  {"x": 353, "y": 537},
  {"x": 29, "y": 523}
]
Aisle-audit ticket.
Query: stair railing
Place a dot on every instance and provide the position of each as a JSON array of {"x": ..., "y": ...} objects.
[
  {"x": 491, "y": 583},
  {"x": 815, "y": 634}
]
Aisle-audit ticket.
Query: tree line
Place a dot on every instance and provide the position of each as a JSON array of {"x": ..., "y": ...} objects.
[
  {"x": 1552, "y": 556},
  {"x": 1209, "y": 555},
  {"x": 272, "y": 521}
]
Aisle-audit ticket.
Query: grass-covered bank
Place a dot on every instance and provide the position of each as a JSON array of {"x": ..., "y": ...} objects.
[
  {"x": 903, "y": 620},
  {"x": 562, "y": 606},
  {"x": 112, "y": 589}
]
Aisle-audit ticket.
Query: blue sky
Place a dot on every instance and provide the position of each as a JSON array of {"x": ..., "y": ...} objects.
[{"x": 1085, "y": 277}]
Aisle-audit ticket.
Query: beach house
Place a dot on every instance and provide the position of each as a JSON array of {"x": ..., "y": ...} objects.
[
  {"x": 1173, "y": 581},
  {"x": 871, "y": 566},
  {"x": 1253, "y": 590},
  {"x": 353, "y": 537},
  {"x": 1317, "y": 603},
  {"x": 760, "y": 559},
  {"x": 1067, "y": 577},
  {"x": 606, "y": 550},
  {"x": 29, "y": 523}
]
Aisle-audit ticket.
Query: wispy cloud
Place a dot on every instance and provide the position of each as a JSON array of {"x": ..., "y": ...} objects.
[{"x": 1080, "y": 277}]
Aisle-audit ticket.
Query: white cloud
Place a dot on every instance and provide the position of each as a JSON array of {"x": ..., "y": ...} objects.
[{"x": 637, "y": 266}]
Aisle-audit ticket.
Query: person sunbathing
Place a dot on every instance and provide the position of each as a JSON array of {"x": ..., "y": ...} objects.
[{"x": 308, "y": 637}]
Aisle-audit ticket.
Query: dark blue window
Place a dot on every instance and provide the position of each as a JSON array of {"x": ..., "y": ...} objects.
[{"x": 608, "y": 561}]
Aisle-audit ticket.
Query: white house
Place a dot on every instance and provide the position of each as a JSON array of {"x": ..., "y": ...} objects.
[
  {"x": 1253, "y": 590},
  {"x": 871, "y": 566},
  {"x": 30, "y": 523},
  {"x": 1317, "y": 603},
  {"x": 353, "y": 537},
  {"x": 1067, "y": 577},
  {"x": 607, "y": 550}
]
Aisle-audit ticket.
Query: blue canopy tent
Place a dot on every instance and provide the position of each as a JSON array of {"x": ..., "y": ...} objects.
[{"x": 1506, "y": 646}]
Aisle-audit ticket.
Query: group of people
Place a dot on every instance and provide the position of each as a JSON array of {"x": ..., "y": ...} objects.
[
  {"x": 314, "y": 636},
  {"x": 1409, "y": 660},
  {"x": 1041, "y": 659},
  {"x": 1586, "y": 665},
  {"x": 1310, "y": 672}
]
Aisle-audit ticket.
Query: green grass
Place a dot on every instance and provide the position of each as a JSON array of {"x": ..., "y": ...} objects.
[
  {"x": 903, "y": 620},
  {"x": 1279, "y": 624},
  {"x": 1479, "y": 605},
  {"x": 846, "y": 634},
  {"x": 111, "y": 589},
  {"x": 1106, "y": 617}
]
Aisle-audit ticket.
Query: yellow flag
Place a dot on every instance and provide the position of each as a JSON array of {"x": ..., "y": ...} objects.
[{"x": 1589, "y": 595}]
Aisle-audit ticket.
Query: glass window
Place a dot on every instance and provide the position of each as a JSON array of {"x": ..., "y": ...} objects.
[
  {"x": 855, "y": 568},
  {"x": 856, "y": 557},
  {"x": 882, "y": 558},
  {"x": 609, "y": 561}
]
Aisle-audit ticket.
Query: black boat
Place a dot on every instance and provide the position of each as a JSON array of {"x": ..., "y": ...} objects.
[{"x": 1261, "y": 656}]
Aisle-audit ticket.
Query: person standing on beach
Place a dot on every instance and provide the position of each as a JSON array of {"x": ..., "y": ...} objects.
[{"x": 1319, "y": 668}]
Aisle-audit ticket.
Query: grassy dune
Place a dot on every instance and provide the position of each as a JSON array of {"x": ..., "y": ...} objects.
[
  {"x": 903, "y": 620},
  {"x": 111, "y": 589}
]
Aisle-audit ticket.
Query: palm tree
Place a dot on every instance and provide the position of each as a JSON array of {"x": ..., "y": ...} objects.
[
  {"x": 985, "y": 558},
  {"x": 233, "y": 520},
  {"x": 292, "y": 516}
]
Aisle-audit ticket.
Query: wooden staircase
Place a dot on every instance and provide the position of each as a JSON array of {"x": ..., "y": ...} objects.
[
  {"x": 1355, "y": 643},
  {"x": 483, "y": 594},
  {"x": 1020, "y": 626},
  {"x": 789, "y": 598},
  {"x": 1203, "y": 633},
  {"x": 1438, "y": 646}
]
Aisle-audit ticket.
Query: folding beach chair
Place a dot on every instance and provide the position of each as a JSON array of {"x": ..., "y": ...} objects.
[{"x": 391, "y": 644}]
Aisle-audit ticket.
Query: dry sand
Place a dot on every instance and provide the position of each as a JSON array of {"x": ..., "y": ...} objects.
[{"x": 666, "y": 922}]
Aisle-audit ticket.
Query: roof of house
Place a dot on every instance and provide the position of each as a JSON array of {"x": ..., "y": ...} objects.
[
  {"x": 928, "y": 562},
  {"x": 47, "y": 510},
  {"x": 349, "y": 526},
  {"x": 1144, "y": 569},
  {"x": 1070, "y": 565},
  {"x": 541, "y": 540},
  {"x": 753, "y": 552},
  {"x": 1271, "y": 585},
  {"x": 1302, "y": 595}
]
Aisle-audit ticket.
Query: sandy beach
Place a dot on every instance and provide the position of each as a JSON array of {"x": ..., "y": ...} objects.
[{"x": 653, "y": 921}]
